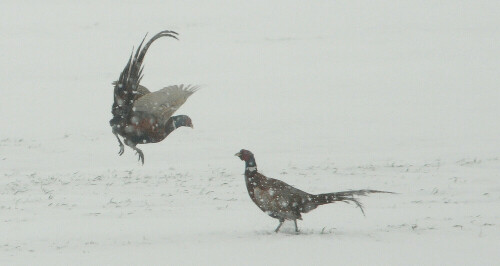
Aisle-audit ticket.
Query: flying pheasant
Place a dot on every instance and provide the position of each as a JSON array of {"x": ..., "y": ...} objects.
[
  {"x": 141, "y": 116},
  {"x": 284, "y": 202}
]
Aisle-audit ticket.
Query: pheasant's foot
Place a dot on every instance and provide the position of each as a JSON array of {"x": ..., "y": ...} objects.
[{"x": 141, "y": 155}]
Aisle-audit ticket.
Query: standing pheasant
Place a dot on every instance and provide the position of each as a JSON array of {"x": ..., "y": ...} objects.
[
  {"x": 284, "y": 202},
  {"x": 141, "y": 116}
]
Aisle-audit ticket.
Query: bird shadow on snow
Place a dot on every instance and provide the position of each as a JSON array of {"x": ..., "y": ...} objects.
[
  {"x": 325, "y": 231},
  {"x": 288, "y": 229}
]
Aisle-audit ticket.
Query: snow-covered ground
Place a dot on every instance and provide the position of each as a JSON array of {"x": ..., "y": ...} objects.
[{"x": 391, "y": 95}]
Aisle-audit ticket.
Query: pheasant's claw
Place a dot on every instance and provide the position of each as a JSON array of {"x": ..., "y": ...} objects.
[
  {"x": 141, "y": 156},
  {"x": 122, "y": 150}
]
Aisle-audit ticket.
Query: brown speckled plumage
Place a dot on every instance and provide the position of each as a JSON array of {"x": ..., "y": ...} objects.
[
  {"x": 284, "y": 202},
  {"x": 141, "y": 116}
]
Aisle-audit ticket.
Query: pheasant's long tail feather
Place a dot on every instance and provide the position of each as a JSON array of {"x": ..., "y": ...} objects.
[
  {"x": 345, "y": 196},
  {"x": 127, "y": 85},
  {"x": 166, "y": 33}
]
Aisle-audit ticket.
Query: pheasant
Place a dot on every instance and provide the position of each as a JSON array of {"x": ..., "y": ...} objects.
[
  {"x": 284, "y": 202},
  {"x": 141, "y": 116}
]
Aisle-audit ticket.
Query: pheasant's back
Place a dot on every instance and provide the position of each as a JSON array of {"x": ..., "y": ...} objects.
[{"x": 277, "y": 198}]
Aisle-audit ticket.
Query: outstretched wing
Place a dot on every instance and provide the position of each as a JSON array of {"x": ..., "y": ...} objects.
[
  {"x": 127, "y": 87},
  {"x": 163, "y": 103}
]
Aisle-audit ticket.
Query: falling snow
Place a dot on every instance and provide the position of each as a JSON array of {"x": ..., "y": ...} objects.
[{"x": 332, "y": 95}]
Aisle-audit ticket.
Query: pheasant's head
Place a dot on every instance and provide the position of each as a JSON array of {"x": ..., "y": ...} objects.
[
  {"x": 182, "y": 121},
  {"x": 244, "y": 155}
]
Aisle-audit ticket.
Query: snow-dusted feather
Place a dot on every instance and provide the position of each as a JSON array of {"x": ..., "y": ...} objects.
[
  {"x": 127, "y": 87},
  {"x": 163, "y": 103},
  {"x": 141, "y": 90}
]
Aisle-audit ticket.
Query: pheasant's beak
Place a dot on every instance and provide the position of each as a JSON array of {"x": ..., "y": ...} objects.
[{"x": 238, "y": 154}]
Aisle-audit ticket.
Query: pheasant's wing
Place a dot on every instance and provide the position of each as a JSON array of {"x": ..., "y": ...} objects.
[
  {"x": 127, "y": 87},
  {"x": 141, "y": 91},
  {"x": 289, "y": 200},
  {"x": 283, "y": 188},
  {"x": 162, "y": 104}
]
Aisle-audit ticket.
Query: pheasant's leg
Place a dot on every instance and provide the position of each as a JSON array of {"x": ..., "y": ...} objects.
[
  {"x": 296, "y": 228},
  {"x": 141, "y": 155},
  {"x": 122, "y": 147},
  {"x": 137, "y": 150},
  {"x": 279, "y": 226}
]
